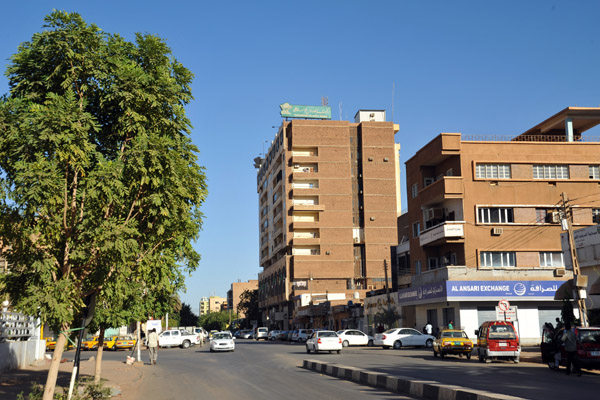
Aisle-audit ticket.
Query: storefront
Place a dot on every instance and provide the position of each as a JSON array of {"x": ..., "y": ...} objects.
[{"x": 469, "y": 303}]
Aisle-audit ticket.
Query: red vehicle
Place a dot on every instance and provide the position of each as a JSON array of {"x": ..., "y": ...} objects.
[
  {"x": 497, "y": 340},
  {"x": 588, "y": 347}
]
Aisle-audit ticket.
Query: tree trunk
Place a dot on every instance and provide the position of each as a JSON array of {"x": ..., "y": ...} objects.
[
  {"x": 98, "y": 370},
  {"x": 56, "y": 357}
]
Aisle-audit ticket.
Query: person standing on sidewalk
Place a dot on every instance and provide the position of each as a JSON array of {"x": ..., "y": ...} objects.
[
  {"x": 153, "y": 345},
  {"x": 570, "y": 341},
  {"x": 428, "y": 328}
]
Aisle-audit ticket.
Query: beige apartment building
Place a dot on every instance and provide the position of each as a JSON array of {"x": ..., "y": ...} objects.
[
  {"x": 237, "y": 288},
  {"x": 328, "y": 202},
  {"x": 484, "y": 222}
]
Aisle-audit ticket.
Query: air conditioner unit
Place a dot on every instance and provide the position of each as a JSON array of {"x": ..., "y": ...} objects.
[
  {"x": 559, "y": 272},
  {"x": 497, "y": 231},
  {"x": 553, "y": 217},
  {"x": 296, "y": 165}
]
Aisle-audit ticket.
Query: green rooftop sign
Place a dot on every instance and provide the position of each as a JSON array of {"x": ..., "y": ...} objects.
[{"x": 295, "y": 111}]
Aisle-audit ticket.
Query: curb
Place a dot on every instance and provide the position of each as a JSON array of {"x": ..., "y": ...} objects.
[{"x": 403, "y": 385}]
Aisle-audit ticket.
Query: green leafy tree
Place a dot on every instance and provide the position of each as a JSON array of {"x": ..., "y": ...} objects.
[
  {"x": 216, "y": 320},
  {"x": 248, "y": 306},
  {"x": 387, "y": 317},
  {"x": 99, "y": 182},
  {"x": 186, "y": 316}
]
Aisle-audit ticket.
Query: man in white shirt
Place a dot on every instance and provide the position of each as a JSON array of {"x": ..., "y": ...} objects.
[
  {"x": 153, "y": 345},
  {"x": 428, "y": 328}
]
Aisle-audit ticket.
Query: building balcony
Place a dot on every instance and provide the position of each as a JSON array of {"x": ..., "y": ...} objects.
[
  {"x": 449, "y": 187},
  {"x": 446, "y": 232},
  {"x": 305, "y": 175},
  {"x": 308, "y": 207},
  {"x": 304, "y": 225}
]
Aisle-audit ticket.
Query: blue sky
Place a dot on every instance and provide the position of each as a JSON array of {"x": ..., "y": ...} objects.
[{"x": 474, "y": 67}]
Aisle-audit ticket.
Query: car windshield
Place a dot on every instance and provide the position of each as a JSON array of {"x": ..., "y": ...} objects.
[
  {"x": 589, "y": 336},
  {"x": 454, "y": 334},
  {"x": 502, "y": 332},
  {"x": 221, "y": 336},
  {"x": 327, "y": 334}
]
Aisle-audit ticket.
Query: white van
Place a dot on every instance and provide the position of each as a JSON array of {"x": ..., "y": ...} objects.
[{"x": 261, "y": 333}]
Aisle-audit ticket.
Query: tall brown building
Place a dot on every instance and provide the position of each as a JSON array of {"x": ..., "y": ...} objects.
[
  {"x": 237, "y": 288},
  {"x": 328, "y": 203},
  {"x": 484, "y": 222}
]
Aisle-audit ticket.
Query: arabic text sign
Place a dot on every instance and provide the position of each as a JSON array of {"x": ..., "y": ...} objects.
[
  {"x": 425, "y": 292},
  {"x": 508, "y": 315},
  {"x": 297, "y": 111},
  {"x": 511, "y": 289}
]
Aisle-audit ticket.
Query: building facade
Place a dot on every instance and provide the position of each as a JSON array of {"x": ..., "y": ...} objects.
[
  {"x": 483, "y": 223},
  {"x": 328, "y": 201},
  {"x": 204, "y": 306},
  {"x": 237, "y": 288}
]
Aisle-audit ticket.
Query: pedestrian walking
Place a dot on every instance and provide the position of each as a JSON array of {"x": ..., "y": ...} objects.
[
  {"x": 428, "y": 328},
  {"x": 570, "y": 341},
  {"x": 450, "y": 325},
  {"x": 153, "y": 345},
  {"x": 201, "y": 336}
]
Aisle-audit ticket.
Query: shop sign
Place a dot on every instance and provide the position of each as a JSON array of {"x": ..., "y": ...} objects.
[
  {"x": 376, "y": 304},
  {"x": 512, "y": 289},
  {"x": 425, "y": 292}
]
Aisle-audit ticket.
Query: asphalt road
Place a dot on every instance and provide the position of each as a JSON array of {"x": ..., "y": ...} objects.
[{"x": 271, "y": 370}]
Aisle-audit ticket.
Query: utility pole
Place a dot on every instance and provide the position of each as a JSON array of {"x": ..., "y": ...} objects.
[{"x": 579, "y": 281}]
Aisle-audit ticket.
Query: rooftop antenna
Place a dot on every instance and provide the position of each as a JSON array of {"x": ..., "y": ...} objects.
[{"x": 324, "y": 101}]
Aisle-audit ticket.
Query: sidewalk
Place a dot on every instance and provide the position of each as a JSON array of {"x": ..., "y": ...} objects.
[{"x": 124, "y": 379}]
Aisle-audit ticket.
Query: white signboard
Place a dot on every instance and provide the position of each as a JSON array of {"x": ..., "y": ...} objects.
[
  {"x": 508, "y": 315},
  {"x": 154, "y": 324}
]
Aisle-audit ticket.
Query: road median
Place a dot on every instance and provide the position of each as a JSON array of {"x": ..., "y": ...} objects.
[{"x": 424, "y": 389}]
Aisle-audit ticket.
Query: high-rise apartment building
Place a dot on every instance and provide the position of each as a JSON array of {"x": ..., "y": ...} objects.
[
  {"x": 204, "y": 306},
  {"x": 328, "y": 202},
  {"x": 484, "y": 222}
]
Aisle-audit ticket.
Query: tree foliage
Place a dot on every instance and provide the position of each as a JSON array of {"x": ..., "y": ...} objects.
[
  {"x": 248, "y": 306},
  {"x": 216, "y": 320},
  {"x": 387, "y": 317},
  {"x": 99, "y": 182},
  {"x": 186, "y": 316}
]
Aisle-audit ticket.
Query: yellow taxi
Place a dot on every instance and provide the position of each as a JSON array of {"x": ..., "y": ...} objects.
[
  {"x": 90, "y": 343},
  {"x": 452, "y": 341},
  {"x": 51, "y": 344},
  {"x": 124, "y": 342},
  {"x": 109, "y": 343}
]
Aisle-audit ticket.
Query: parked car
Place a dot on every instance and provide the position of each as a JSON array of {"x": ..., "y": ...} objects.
[
  {"x": 246, "y": 334},
  {"x": 452, "y": 341},
  {"x": 125, "y": 342},
  {"x": 291, "y": 334},
  {"x": 272, "y": 335},
  {"x": 90, "y": 343},
  {"x": 282, "y": 335},
  {"x": 354, "y": 337},
  {"x": 399, "y": 337},
  {"x": 261, "y": 333},
  {"x": 324, "y": 341},
  {"x": 51, "y": 344},
  {"x": 109, "y": 343},
  {"x": 304, "y": 334},
  {"x": 222, "y": 341},
  {"x": 497, "y": 340},
  {"x": 588, "y": 347}
]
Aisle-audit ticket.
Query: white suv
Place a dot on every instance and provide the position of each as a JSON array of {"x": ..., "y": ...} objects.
[{"x": 261, "y": 333}]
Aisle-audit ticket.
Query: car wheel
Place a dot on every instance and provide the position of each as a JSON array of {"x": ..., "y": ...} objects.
[
  {"x": 339, "y": 351},
  {"x": 429, "y": 343},
  {"x": 307, "y": 350},
  {"x": 370, "y": 344},
  {"x": 345, "y": 343},
  {"x": 435, "y": 353},
  {"x": 185, "y": 344},
  {"x": 397, "y": 345},
  {"x": 468, "y": 356}
]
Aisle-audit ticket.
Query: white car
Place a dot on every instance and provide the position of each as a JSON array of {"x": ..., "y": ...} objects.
[
  {"x": 354, "y": 337},
  {"x": 399, "y": 337},
  {"x": 261, "y": 333},
  {"x": 222, "y": 341},
  {"x": 273, "y": 334},
  {"x": 324, "y": 341}
]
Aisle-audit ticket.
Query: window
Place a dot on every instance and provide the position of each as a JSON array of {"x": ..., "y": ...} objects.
[
  {"x": 594, "y": 171},
  {"x": 495, "y": 215},
  {"x": 551, "y": 171},
  {"x": 414, "y": 190},
  {"x": 432, "y": 263},
  {"x": 492, "y": 171},
  {"x": 596, "y": 215},
  {"x": 551, "y": 259},
  {"x": 416, "y": 229},
  {"x": 428, "y": 181},
  {"x": 498, "y": 259}
]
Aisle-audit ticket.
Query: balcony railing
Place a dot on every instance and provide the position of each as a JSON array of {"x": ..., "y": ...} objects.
[{"x": 528, "y": 138}]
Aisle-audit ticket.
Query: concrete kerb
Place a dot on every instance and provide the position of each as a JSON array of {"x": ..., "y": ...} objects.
[{"x": 404, "y": 385}]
